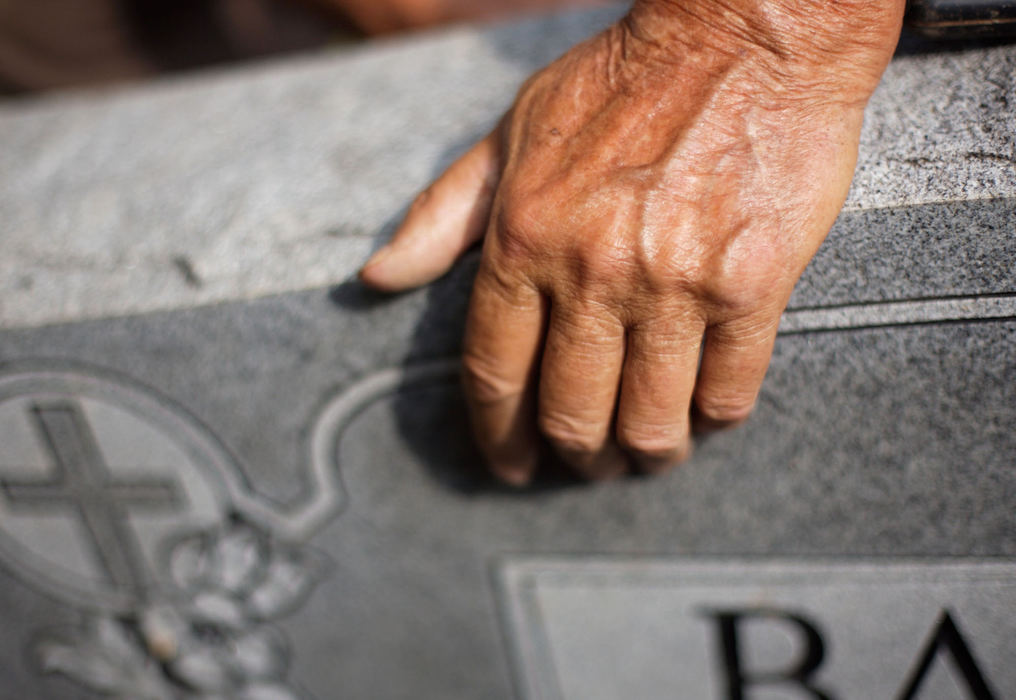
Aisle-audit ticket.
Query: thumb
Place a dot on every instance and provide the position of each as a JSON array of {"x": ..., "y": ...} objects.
[{"x": 443, "y": 221}]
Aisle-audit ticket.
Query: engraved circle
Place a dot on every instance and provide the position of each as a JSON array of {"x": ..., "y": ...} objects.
[{"x": 97, "y": 473}]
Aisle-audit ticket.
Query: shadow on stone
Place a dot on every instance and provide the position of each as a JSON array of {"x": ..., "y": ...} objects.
[
  {"x": 432, "y": 421},
  {"x": 912, "y": 44}
]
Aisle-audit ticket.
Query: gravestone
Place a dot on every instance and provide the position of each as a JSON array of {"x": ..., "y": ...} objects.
[{"x": 228, "y": 471}]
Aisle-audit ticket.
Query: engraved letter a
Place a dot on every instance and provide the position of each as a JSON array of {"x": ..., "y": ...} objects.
[{"x": 946, "y": 635}]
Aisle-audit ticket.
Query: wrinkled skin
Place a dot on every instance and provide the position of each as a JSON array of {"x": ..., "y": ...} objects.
[{"x": 646, "y": 207}]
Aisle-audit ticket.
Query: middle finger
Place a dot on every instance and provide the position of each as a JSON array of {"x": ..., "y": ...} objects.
[{"x": 583, "y": 355}]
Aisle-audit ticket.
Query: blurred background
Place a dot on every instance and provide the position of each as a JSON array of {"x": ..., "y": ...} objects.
[{"x": 48, "y": 44}]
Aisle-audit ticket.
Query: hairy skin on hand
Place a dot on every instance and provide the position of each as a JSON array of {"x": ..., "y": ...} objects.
[{"x": 654, "y": 193}]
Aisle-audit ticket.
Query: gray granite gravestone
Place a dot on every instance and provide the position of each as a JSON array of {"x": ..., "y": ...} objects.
[{"x": 225, "y": 472}]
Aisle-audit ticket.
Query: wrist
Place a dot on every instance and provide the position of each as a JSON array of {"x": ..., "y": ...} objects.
[{"x": 841, "y": 46}]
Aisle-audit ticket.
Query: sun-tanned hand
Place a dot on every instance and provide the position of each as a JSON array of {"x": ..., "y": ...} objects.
[{"x": 654, "y": 193}]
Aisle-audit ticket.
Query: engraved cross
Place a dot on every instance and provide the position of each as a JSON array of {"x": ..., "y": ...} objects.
[{"x": 83, "y": 482}]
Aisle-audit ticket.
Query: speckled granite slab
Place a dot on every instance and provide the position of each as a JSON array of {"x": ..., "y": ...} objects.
[{"x": 227, "y": 472}]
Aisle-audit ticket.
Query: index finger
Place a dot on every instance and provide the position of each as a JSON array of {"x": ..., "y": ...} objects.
[{"x": 504, "y": 328}]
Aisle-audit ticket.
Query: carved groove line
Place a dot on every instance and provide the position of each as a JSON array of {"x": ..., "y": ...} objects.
[{"x": 899, "y": 313}]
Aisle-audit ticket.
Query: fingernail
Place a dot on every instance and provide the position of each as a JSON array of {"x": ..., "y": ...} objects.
[
  {"x": 516, "y": 478},
  {"x": 516, "y": 471}
]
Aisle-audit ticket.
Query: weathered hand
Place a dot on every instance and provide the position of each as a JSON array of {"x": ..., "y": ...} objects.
[{"x": 652, "y": 195}]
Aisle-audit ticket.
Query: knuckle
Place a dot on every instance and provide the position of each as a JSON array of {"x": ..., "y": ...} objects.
[
  {"x": 668, "y": 269},
  {"x": 570, "y": 434},
  {"x": 743, "y": 297},
  {"x": 726, "y": 408},
  {"x": 603, "y": 260},
  {"x": 668, "y": 276},
  {"x": 651, "y": 442},
  {"x": 484, "y": 384},
  {"x": 517, "y": 224},
  {"x": 745, "y": 283},
  {"x": 516, "y": 245}
]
